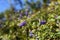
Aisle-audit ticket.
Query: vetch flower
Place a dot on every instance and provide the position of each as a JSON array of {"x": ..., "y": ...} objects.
[
  {"x": 43, "y": 22},
  {"x": 22, "y": 24},
  {"x": 26, "y": 13},
  {"x": 31, "y": 34},
  {"x": 20, "y": 15}
]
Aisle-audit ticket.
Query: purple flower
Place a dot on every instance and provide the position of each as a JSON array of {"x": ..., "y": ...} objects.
[
  {"x": 43, "y": 22},
  {"x": 26, "y": 13},
  {"x": 22, "y": 24},
  {"x": 31, "y": 34},
  {"x": 20, "y": 15}
]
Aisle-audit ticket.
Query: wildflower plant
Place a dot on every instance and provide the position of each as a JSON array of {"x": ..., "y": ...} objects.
[{"x": 41, "y": 25}]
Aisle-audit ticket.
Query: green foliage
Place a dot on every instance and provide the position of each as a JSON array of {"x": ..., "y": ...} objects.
[{"x": 48, "y": 31}]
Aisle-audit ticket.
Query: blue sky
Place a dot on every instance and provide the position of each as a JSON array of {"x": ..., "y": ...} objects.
[{"x": 4, "y": 4}]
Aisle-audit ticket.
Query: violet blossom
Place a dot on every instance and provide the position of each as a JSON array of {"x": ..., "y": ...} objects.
[
  {"x": 26, "y": 13},
  {"x": 21, "y": 15},
  {"x": 22, "y": 24},
  {"x": 43, "y": 22},
  {"x": 31, "y": 34}
]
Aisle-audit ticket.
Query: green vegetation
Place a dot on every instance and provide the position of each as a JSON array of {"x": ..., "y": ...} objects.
[{"x": 43, "y": 24}]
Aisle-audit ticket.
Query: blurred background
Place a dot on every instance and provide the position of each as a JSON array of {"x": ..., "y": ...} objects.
[{"x": 29, "y": 19}]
